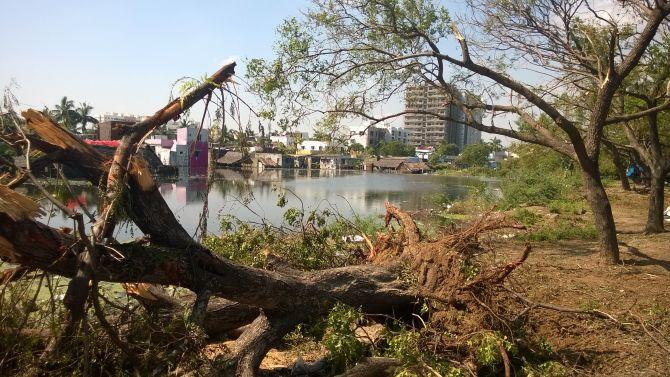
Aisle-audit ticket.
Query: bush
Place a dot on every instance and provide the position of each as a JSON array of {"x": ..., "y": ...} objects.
[
  {"x": 535, "y": 187},
  {"x": 310, "y": 240},
  {"x": 340, "y": 338}
]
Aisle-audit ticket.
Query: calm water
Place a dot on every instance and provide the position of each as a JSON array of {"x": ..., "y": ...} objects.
[{"x": 252, "y": 197}]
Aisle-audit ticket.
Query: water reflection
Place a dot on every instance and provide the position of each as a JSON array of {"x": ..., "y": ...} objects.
[{"x": 252, "y": 196}]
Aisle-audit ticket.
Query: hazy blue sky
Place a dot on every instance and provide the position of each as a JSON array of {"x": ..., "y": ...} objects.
[{"x": 123, "y": 55}]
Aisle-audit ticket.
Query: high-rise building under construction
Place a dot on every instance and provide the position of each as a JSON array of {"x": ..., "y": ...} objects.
[{"x": 428, "y": 130}]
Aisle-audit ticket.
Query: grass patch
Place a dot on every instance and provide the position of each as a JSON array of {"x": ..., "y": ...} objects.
[
  {"x": 563, "y": 206},
  {"x": 563, "y": 230},
  {"x": 525, "y": 216}
]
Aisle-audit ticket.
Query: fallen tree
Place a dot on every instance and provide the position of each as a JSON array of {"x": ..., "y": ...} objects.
[{"x": 270, "y": 303}]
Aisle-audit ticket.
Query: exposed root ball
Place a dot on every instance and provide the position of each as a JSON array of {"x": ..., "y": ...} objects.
[{"x": 464, "y": 296}]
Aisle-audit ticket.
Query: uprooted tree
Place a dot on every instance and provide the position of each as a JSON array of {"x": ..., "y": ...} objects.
[
  {"x": 226, "y": 295},
  {"x": 520, "y": 59}
]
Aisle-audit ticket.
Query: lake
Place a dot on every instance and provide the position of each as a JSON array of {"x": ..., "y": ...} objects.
[{"x": 252, "y": 196}]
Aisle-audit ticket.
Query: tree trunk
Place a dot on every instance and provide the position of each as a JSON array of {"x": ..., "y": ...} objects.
[
  {"x": 618, "y": 164},
  {"x": 656, "y": 202},
  {"x": 602, "y": 213}
]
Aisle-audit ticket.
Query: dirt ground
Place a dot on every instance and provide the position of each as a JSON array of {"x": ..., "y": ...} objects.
[{"x": 570, "y": 274}]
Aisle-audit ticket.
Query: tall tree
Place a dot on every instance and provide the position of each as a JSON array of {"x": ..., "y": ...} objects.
[
  {"x": 65, "y": 114},
  {"x": 514, "y": 57},
  {"x": 647, "y": 93},
  {"x": 84, "y": 116}
]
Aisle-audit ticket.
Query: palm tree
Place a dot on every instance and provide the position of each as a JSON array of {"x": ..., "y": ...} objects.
[
  {"x": 66, "y": 115},
  {"x": 83, "y": 112}
]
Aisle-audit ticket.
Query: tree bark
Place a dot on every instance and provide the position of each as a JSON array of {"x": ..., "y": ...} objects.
[
  {"x": 257, "y": 339},
  {"x": 656, "y": 201},
  {"x": 370, "y": 287},
  {"x": 602, "y": 213},
  {"x": 618, "y": 164}
]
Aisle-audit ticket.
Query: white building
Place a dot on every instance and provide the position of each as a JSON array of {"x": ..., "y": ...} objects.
[
  {"x": 313, "y": 146},
  {"x": 424, "y": 152},
  {"x": 399, "y": 134},
  {"x": 117, "y": 117},
  {"x": 176, "y": 152},
  {"x": 288, "y": 138}
]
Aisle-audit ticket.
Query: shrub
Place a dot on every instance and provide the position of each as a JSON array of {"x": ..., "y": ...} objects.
[
  {"x": 534, "y": 187},
  {"x": 340, "y": 338}
]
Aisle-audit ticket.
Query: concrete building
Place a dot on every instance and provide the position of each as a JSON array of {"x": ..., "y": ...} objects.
[
  {"x": 368, "y": 136},
  {"x": 315, "y": 146},
  {"x": 288, "y": 139},
  {"x": 312, "y": 146},
  {"x": 110, "y": 124},
  {"x": 188, "y": 151},
  {"x": 398, "y": 134},
  {"x": 373, "y": 135},
  {"x": 111, "y": 129},
  {"x": 428, "y": 130},
  {"x": 117, "y": 117}
]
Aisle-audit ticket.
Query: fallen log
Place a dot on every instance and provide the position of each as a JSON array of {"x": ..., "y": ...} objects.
[{"x": 373, "y": 288}]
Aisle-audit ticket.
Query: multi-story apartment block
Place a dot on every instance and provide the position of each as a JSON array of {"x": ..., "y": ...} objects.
[{"x": 429, "y": 130}]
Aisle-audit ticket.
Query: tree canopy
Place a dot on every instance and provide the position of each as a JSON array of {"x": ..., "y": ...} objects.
[{"x": 515, "y": 59}]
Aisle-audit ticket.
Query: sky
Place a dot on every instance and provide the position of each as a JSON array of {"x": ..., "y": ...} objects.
[{"x": 123, "y": 56}]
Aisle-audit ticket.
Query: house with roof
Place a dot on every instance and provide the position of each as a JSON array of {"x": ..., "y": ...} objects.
[
  {"x": 234, "y": 159},
  {"x": 412, "y": 165}
]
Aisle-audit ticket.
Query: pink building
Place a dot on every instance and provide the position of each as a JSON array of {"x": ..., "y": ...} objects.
[{"x": 189, "y": 151}]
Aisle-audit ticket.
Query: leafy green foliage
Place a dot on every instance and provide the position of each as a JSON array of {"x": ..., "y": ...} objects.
[
  {"x": 311, "y": 64},
  {"x": 546, "y": 369},
  {"x": 488, "y": 348},
  {"x": 68, "y": 116},
  {"x": 443, "y": 150},
  {"x": 475, "y": 154},
  {"x": 536, "y": 187},
  {"x": 356, "y": 147},
  {"x": 394, "y": 148},
  {"x": 404, "y": 346},
  {"x": 314, "y": 239},
  {"x": 340, "y": 338}
]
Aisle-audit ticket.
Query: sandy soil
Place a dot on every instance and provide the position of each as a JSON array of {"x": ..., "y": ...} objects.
[{"x": 570, "y": 274}]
